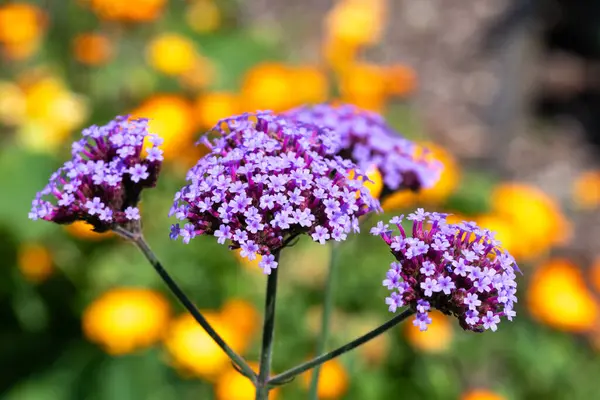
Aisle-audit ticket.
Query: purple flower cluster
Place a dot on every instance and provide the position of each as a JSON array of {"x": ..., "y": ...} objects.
[
  {"x": 102, "y": 182},
  {"x": 266, "y": 181},
  {"x": 368, "y": 140},
  {"x": 458, "y": 269}
]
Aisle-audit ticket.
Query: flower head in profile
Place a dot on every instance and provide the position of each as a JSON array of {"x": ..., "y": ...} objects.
[
  {"x": 458, "y": 269},
  {"x": 369, "y": 141},
  {"x": 266, "y": 181},
  {"x": 102, "y": 182}
]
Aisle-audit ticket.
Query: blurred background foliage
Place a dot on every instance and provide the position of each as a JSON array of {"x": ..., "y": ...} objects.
[{"x": 84, "y": 317}]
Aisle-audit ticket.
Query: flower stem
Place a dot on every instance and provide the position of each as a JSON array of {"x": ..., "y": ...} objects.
[
  {"x": 289, "y": 374},
  {"x": 139, "y": 241},
  {"x": 326, "y": 317},
  {"x": 262, "y": 388}
]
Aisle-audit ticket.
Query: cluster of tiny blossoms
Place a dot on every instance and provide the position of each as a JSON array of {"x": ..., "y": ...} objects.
[
  {"x": 266, "y": 181},
  {"x": 458, "y": 269},
  {"x": 369, "y": 141},
  {"x": 102, "y": 182}
]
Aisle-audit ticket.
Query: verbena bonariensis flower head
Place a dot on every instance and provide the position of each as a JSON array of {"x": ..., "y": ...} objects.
[
  {"x": 102, "y": 182},
  {"x": 368, "y": 140},
  {"x": 457, "y": 268},
  {"x": 266, "y": 181}
]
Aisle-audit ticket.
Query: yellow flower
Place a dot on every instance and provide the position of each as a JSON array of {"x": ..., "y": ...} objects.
[
  {"x": 241, "y": 315},
  {"x": 437, "y": 337},
  {"x": 333, "y": 380},
  {"x": 364, "y": 85},
  {"x": 20, "y": 23},
  {"x": 586, "y": 190},
  {"x": 84, "y": 231},
  {"x": 52, "y": 113},
  {"x": 399, "y": 200},
  {"x": 339, "y": 54},
  {"x": 172, "y": 118},
  {"x": 533, "y": 214},
  {"x": 558, "y": 297},
  {"x": 503, "y": 230},
  {"x": 359, "y": 22},
  {"x": 438, "y": 193},
  {"x": 376, "y": 185},
  {"x": 35, "y": 262},
  {"x": 250, "y": 265},
  {"x": 310, "y": 85},
  {"x": 595, "y": 274},
  {"x": 211, "y": 107},
  {"x": 13, "y": 105},
  {"x": 268, "y": 86},
  {"x": 203, "y": 16},
  {"x": 449, "y": 177},
  {"x": 401, "y": 80},
  {"x": 126, "y": 319},
  {"x": 127, "y": 11},
  {"x": 92, "y": 49},
  {"x": 193, "y": 350},
  {"x": 20, "y": 51},
  {"x": 481, "y": 394},
  {"x": 171, "y": 54},
  {"x": 231, "y": 385}
]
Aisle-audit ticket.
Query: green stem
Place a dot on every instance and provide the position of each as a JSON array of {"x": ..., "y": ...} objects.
[
  {"x": 262, "y": 388},
  {"x": 139, "y": 241},
  {"x": 290, "y": 374},
  {"x": 326, "y": 317}
]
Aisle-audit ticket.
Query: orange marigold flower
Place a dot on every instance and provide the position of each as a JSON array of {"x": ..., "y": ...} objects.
[
  {"x": 558, "y": 297},
  {"x": 127, "y": 11},
  {"x": 126, "y": 319},
  {"x": 213, "y": 106},
  {"x": 535, "y": 215},
  {"x": 310, "y": 85},
  {"x": 171, "y": 54},
  {"x": 481, "y": 394},
  {"x": 231, "y": 385},
  {"x": 20, "y": 23},
  {"x": 586, "y": 190},
  {"x": 35, "y": 262},
  {"x": 401, "y": 80},
  {"x": 333, "y": 380},
  {"x": 92, "y": 48},
  {"x": 268, "y": 86},
  {"x": 193, "y": 351},
  {"x": 172, "y": 118},
  {"x": 436, "y": 339}
]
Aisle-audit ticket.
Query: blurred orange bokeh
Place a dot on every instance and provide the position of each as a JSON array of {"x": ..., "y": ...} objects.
[
  {"x": 333, "y": 380},
  {"x": 92, "y": 49},
  {"x": 558, "y": 297},
  {"x": 231, "y": 385},
  {"x": 123, "y": 320},
  {"x": 35, "y": 262},
  {"x": 436, "y": 339}
]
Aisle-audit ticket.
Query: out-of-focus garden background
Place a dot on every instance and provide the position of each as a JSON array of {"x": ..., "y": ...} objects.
[{"x": 505, "y": 95}]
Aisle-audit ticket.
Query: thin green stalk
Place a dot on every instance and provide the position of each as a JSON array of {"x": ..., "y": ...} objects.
[
  {"x": 326, "y": 317},
  {"x": 262, "y": 388},
  {"x": 291, "y": 373},
  {"x": 139, "y": 241}
]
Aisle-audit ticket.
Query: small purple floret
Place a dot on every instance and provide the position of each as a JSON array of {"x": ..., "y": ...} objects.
[
  {"x": 458, "y": 269},
  {"x": 267, "y": 180},
  {"x": 102, "y": 182},
  {"x": 369, "y": 141}
]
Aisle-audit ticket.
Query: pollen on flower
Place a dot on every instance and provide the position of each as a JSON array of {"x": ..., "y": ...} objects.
[
  {"x": 266, "y": 181},
  {"x": 101, "y": 184},
  {"x": 458, "y": 269},
  {"x": 370, "y": 142}
]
